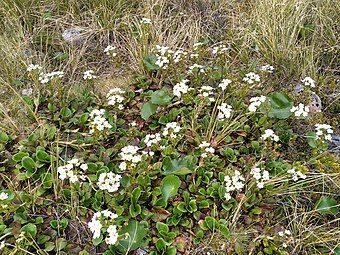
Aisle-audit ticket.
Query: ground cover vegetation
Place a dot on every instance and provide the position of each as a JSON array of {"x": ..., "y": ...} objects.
[{"x": 169, "y": 127}]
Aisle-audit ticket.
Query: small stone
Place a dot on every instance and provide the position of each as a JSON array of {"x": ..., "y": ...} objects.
[
  {"x": 74, "y": 35},
  {"x": 298, "y": 88},
  {"x": 315, "y": 105}
]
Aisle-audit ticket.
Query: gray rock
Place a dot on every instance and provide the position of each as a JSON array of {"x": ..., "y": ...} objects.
[
  {"x": 141, "y": 251},
  {"x": 298, "y": 88},
  {"x": 316, "y": 104},
  {"x": 74, "y": 35}
]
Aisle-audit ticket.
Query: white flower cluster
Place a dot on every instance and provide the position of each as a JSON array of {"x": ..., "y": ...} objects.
[
  {"x": 207, "y": 91},
  {"x": 255, "y": 102},
  {"x": 109, "y": 181},
  {"x": 3, "y": 196},
  {"x": 269, "y": 133},
  {"x": 27, "y": 92},
  {"x": 151, "y": 139},
  {"x": 162, "y": 60},
  {"x": 98, "y": 121},
  {"x": 251, "y": 77},
  {"x": 224, "y": 84},
  {"x": 106, "y": 217},
  {"x": 171, "y": 129},
  {"x": 145, "y": 21},
  {"x": 219, "y": 49},
  {"x": 324, "y": 130},
  {"x": 236, "y": 182},
  {"x": 267, "y": 68},
  {"x": 296, "y": 175},
  {"x": 89, "y": 75},
  {"x": 181, "y": 88},
  {"x": 130, "y": 153},
  {"x": 284, "y": 233},
  {"x": 224, "y": 111},
  {"x": 110, "y": 51},
  {"x": 308, "y": 81},
  {"x": 178, "y": 54},
  {"x": 260, "y": 177},
  {"x": 300, "y": 111},
  {"x": 70, "y": 172},
  {"x": 200, "y": 68},
  {"x": 46, "y": 77},
  {"x": 207, "y": 149},
  {"x": 115, "y": 97},
  {"x": 32, "y": 67},
  {"x": 197, "y": 45}
]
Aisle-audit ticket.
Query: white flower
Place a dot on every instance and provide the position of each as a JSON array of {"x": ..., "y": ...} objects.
[
  {"x": 284, "y": 245},
  {"x": 324, "y": 130},
  {"x": 308, "y": 81},
  {"x": 267, "y": 68},
  {"x": 2, "y": 244},
  {"x": 269, "y": 133},
  {"x": 46, "y": 77},
  {"x": 145, "y": 21},
  {"x": 98, "y": 121},
  {"x": 27, "y": 92},
  {"x": 208, "y": 92},
  {"x": 296, "y": 175},
  {"x": 32, "y": 67},
  {"x": 151, "y": 139},
  {"x": 281, "y": 233},
  {"x": 84, "y": 167},
  {"x": 95, "y": 227},
  {"x": 224, "y": 111},
  {"x": 219, "y": 49},
  {"x": 200, "y": 68},
  {"x": 110, "y": 51},
  {"x": 233, "y": 183},
  {"x": 207, "y": 149},
  {"x": 178, "y": 55},
  {"x": 224, "y": 84},
  {"x": 300, "y": 111},
  {"x": 251, "y": 77},
  {"x": 113, "y": 235},
  {"x": 3, "y": 196},
  {"x": 162, "y": 62},
  {"x": 181, "y": 88},
  {"x": 89, "y": 75},
  {"x": 130, "y": 153},
  {"x": 260, "y": 176},
  {"x": 109, "y": 181},
  {"x": 122, "y": 166},
  {"x": 115, "y": 97},
  {"x": 171, "y": 129},
  {"x": 255, "y": 102},
  {"x": 197, "y": 45}
]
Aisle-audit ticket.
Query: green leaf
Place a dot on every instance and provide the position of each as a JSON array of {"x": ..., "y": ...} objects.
[
  {"x": 149, "y": 62},
  {"x": 170, "y": 185},
  {"x": 29, "y": 229},
  {"x": 311, "y": 139},
  {"x": 178, "y": 166},
  {"x": 162, "y": 227},
  {"x": 43, "y": 156},
  {"x": 224, "y": 230},
  {"x": 3, "y": 137},
  {"x": 47, "y": 180},
  {"x": 136, "y": 234},
  {"x": 65, "y": 113},
  {"x": 280, "y": 105},
  {"x": 161, "y": 97},
  {"x": 210, "y": 222},
  {"x": 49, "y": 246},
  {"x": 147, "y": 110},
  {"x": 29, "y": 164},
  {"x": 18, "y": 156},
  {"x": 327, "y": 205},
  {"x": 161, "y": 245}
]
